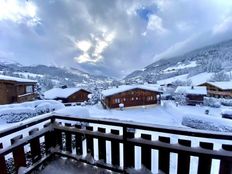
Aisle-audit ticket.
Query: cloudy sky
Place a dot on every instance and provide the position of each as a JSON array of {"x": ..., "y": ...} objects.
[{"x": 109, "y": 37}]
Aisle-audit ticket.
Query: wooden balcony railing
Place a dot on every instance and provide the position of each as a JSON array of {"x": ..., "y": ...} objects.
[{"x": 112, "y": 144}]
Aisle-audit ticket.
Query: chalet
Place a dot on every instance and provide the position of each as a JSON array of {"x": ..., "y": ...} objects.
[
  {"x": 67, "y": 95},
  {"x": 130, "y": 95},
  {"x": 218, "y": 89},
  {"x": 16, "y": 90},
  {"x": 193, "y": 94}
]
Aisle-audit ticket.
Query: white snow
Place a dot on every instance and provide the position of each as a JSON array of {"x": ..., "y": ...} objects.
[
  {"x": 198, "y": 90},
  {"x": 27, "y": 74},
  {"x": 196, "y": 79},
  {"x": 16, "y": 79},
  {"x": 227, "y": 111},
  {"x": 73, "y": 111},
  {"x": 222, "y": 85},
  {"x": 124, "y": 88},
  {"x": 60, "y": 92},
  {"x": 180, "y": 66}
]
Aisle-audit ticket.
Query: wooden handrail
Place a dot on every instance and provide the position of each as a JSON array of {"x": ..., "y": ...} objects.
[{"x": 59, "y": 137}]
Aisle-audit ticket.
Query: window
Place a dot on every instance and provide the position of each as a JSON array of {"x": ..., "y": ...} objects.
[
  {"x": 29, "y": 89},
  {"x": 137, "y": 98},
  {"x": 117, "y": 100},
  {"x": 124, "y": 99},
  {"x": 132, "y": 98}
]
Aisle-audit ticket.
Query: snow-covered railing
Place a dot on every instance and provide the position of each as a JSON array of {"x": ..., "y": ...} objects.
[{"x": 113, "y": 145}]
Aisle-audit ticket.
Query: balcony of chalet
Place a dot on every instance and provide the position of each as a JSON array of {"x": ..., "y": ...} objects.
[{"x": 53, "y": 143}]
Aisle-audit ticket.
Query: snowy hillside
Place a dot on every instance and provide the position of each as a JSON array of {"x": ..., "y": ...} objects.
[
  {"x": 196, "y": 66},
  {"x": 49, "y": 76}
]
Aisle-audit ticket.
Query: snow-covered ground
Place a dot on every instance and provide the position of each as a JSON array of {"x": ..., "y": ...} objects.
[{"x": 167, "y": 114}]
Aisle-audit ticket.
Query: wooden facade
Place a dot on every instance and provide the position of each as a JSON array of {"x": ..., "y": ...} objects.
[
  {"x": 133, "y": 97},
  {"x": 217, "y": 92},
  {"x": 77, "y": 97},
  {"x": 16, "y": 92},
  {"x": 194, "y": 99}
]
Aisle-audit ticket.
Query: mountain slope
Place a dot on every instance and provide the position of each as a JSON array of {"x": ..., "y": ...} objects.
[
  {"x": 49, "y": 76},
  {"x": 210, "y": 59}
]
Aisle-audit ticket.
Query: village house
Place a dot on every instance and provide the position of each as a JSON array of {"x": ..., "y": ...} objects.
[
  {"x": 193, "y": 94},
  {"x": 67, "y": 95},
  {"x": 16, "y": 90},
  {"x": 218, "y": 89},
  {"x": 130, "y": 95}
]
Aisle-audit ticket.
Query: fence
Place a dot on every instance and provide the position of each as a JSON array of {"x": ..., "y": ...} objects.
[{"x": 64, "y": 136}]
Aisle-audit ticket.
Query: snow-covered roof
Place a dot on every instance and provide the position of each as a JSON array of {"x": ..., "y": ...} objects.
[
  {"x": 123, "y": 88},
  {"x": 222, "y": 85},
  {"x": 16, "y": 79},
  {"x": 60, "y": 92},
  {"x": 196, "y": 90}
]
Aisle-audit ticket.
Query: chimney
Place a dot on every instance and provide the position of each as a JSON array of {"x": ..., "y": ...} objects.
[
  {"x": 192, "y": 87},
  {"x": 64, "y": 87}
]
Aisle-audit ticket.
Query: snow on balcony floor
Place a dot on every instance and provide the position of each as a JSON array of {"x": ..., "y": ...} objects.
[{"x": 66, "y": 166}]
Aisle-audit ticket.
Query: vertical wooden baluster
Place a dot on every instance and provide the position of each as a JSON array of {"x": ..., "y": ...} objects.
[
  {"x": 3, "y": 168},
  {"x": 68, "y": 139},
  {"x": 18, "y": 153},
  {"x": 225, "y": 164},
  {"x": 146, "y": 153},
  {"x": 129, "y": 149},
  {"x": 115, "y": 153},
  {"x": 183, "y": 158},
  {"x": 164, "y": 156},
  {"x": 47, "y": 139},
  {"x": 102, "y": 146},
  {"x": 89, "y": 141},
  {"x": 204, "y": 164},
  {"x": 58, "y": 137},
  {"x": 35, "y": 146},
  {"x": 79, "y": 139}
]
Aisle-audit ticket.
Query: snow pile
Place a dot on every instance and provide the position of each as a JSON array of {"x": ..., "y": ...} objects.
[
  {"x": 226, "y": 102},
  {"x": 17, "y": 112},
  {"x": 207, "y": 123},
  {"x": 227, "y": 113},
  {"x": 16, "y": 79},
  {"x": 73, "y": 111},
  {"x": 212, "y": 102}
]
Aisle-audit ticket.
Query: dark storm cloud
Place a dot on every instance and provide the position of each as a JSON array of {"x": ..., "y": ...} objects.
[{"x": 109, "y": 37}]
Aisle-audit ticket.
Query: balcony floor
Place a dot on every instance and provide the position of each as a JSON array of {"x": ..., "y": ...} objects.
[{"x": 66, "y": 166}]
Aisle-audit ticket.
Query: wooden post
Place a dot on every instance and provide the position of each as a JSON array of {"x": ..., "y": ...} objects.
[
  {"x": 18, "y": 153},
  {"x": 129, "y": 149},
  {"x": 68, "y": 139},
  {"x": 183, "y": 158},
  {"x": 3, "y": 168},
  {"x": 89, "y": 141},
  {"x": 47, "y": 139},
  {"x": 102, "y": 146},
  {"x": 164, "y": 156},
  {"x": 115, "y": 153},
  {"x": 146, "y": 152},
  {"x": 204, "y": 164},
  {"x": 226, "y": 165},
  {"x": 78, "y": 140},
  {"x": 35, "y": 146}
]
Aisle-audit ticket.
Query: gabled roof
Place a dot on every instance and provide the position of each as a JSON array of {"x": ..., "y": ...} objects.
[
  {"x": 16, "y": 79},
  {"x": 123, "y": 88},
  {"x": 61, "y": 92},
  {"x": 222, "y": 85},
  {"x": 196, "y": 90}
]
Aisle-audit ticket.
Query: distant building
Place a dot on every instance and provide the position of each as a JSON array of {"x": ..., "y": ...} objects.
[
  {"x": 16, "y": 90},
  {"x": 130, "y": 95},
  {"x": 67, "y": 95},
  {"x": 218, "y": 89},
  {"x": 194, "y": 94}
]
